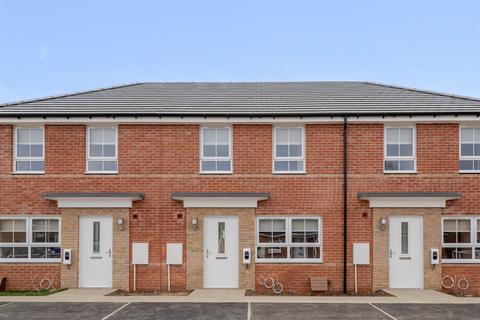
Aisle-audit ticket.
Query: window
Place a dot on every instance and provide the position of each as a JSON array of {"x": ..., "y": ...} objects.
[
  {"x": 221, "y": 237},
  {"x": 29, "y": 239},
  {"x": 461, "y": 240},
  {"x": 288, "y": 153},
  {"x": 96, "y": 237},
  {"x": 289, "y": 239},
  {"x": 216, "y": 150},
  {"x": 102, "y": 150},
  {"x": 470, "y": 149},
  {"x": 29, "y": 150},
  {"x": 404, "y": 248},
  {"x": 399, "y": 150}
]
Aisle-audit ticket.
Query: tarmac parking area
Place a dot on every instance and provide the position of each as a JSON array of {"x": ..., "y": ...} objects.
[{"x": 234, "y": 311}]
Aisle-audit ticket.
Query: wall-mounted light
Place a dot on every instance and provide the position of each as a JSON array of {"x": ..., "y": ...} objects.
[
  {"x": 194, "y": 224},
  {"x": 383, "y": 223},
  {"x": 121, "y": 223}
]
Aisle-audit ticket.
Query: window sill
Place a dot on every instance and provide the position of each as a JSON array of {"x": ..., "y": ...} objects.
[
  {"x": 101, "y": 172},
  {"x": 296, "y": 261},
  {"x": 460, "y": 261},
  {"x": 30, "y": 261},
  {"x": 400, "y": 172},
  {"x": 289, "y": 172},
  {"x": 469, "y": 171},
  {"x": 216, "y": 172},
  {"x": 21, "y": 173}
]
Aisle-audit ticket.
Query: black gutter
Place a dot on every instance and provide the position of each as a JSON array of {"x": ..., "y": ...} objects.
[
  {"x": 345, "y": 201},
  {"x": 259, "y": 115}
]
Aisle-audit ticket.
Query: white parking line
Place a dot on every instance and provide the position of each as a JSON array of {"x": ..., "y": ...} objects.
[
  {"x": 6, "y": 304},
  {"x": 111, "y": 314},
  {"x": 384, "y": 312},
  {"x": 249, "y": 311}
]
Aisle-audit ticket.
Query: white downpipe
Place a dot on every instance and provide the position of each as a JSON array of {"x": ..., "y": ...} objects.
[
  {"x": 134, "y": 277},
  {"x": 168, "y": 276}
]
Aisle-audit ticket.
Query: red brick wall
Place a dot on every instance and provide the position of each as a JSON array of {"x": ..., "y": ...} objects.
[
  {"x": 250, "y": 152},
  {"x": 6, "y": 149},
  {"x": 29, "y": 276},
  {"x": 65, "y": 149},
  {"x": 160, "y": 159},
  {"x": 471, "y": 273}
]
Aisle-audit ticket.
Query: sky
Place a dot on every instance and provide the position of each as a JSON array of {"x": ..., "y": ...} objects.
[{"x": 54, "y": 47}]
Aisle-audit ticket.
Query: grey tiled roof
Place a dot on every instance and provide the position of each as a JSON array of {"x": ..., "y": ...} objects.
[{"x": 247, "y": 98}]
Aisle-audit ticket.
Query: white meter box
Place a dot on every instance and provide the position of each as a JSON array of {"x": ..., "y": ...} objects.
[
  {"x": 139, "y": 253},
  {"x": 174, "y": 253},
  {"x": 361, "y": 253}
]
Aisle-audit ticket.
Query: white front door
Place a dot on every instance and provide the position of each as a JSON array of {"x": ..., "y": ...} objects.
[
  {"x": 95, "y": 252},
  {"x": 406, "y": 252},
  {"x": 221, "y": 252}
]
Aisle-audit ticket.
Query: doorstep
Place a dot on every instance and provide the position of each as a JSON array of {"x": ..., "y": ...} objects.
[
  {"x": 217, "y": 294},
  {"x": 422, "y": 295}
]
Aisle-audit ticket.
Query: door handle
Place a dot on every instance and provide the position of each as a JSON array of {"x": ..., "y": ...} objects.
[
  {"x": 207, "y": 252},
  {"x": 109, "y": 253},
  {"x": 391, "y": 253}
]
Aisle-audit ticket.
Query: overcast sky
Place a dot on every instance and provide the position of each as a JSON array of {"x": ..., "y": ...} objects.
[{"x": 53, "y": 47}]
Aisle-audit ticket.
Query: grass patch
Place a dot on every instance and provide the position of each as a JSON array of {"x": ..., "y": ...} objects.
[{"x": 29, "y": 293}]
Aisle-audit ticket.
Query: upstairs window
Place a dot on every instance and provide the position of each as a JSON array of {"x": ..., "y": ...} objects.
[
  {"x": 461, "y": 240},
  {"x": 29, "y": 150},
  {"x": 399, "y": 150},
  {"x": 102, "y": 150},
  {"x": 470, "y": 149},
  {"x": 216, "y": 150},
  {"x": 288, "y": 153}
]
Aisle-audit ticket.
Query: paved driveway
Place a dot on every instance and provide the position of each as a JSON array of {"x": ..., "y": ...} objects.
[{"x": 234, "y": 311}]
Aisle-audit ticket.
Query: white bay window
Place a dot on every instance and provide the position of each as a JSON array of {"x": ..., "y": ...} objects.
[
  {"x": 34, "y": 239},
  {"x": 461, "y": 240},
  {"x": 289, "y": 239}
]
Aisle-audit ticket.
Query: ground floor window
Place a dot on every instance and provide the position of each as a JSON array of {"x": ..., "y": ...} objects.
[
  {"x": 289, "y": 239},
  {"x": 461, "y": 239},
  {"x": 29, "y": 239}
]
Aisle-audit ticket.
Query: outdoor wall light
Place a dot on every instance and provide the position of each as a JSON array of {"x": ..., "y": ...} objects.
[
  {"x": 194, "y": 224},
  {"x": 121, "y": 223},
  {"x": 383, "y": 223}
]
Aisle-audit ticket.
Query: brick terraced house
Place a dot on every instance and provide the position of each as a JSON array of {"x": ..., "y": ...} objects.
[{"x": 295, "y": 173}]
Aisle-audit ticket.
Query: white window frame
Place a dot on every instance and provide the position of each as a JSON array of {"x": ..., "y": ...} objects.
[
  {"x": 274, "y": 151},
  {"x": 88, "y": 158},
  {"x": 230, "y": 149},
  {"x": 414, "y": 151},
  {"x": 460, "y": 157},
  {"x": 288, "y": 240},
  {"x": 473, "y": 239},
  {"x": 16, "y": 158},
  {"x": 29, "y": 243}
]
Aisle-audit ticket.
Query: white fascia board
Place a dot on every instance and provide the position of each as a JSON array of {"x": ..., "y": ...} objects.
[
  {"x": 407, "y": 202},
  {"x": 220, "y": 202},
  {"x": 232, "y": 119},
  {"x": 94, "y": 202}
]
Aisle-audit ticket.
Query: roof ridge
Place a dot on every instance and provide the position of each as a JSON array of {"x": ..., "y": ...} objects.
[
  {"x": 422, "y": 91},
  {"x": 75, "y": 93}
]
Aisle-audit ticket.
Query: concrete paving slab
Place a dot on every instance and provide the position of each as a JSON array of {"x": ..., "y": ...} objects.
[
  {"x": 182, "y": 311},
  {"x": 432, "y": 311},
  {"x": 57, "y": 311},
  {"x": 307, "y": 311}
]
